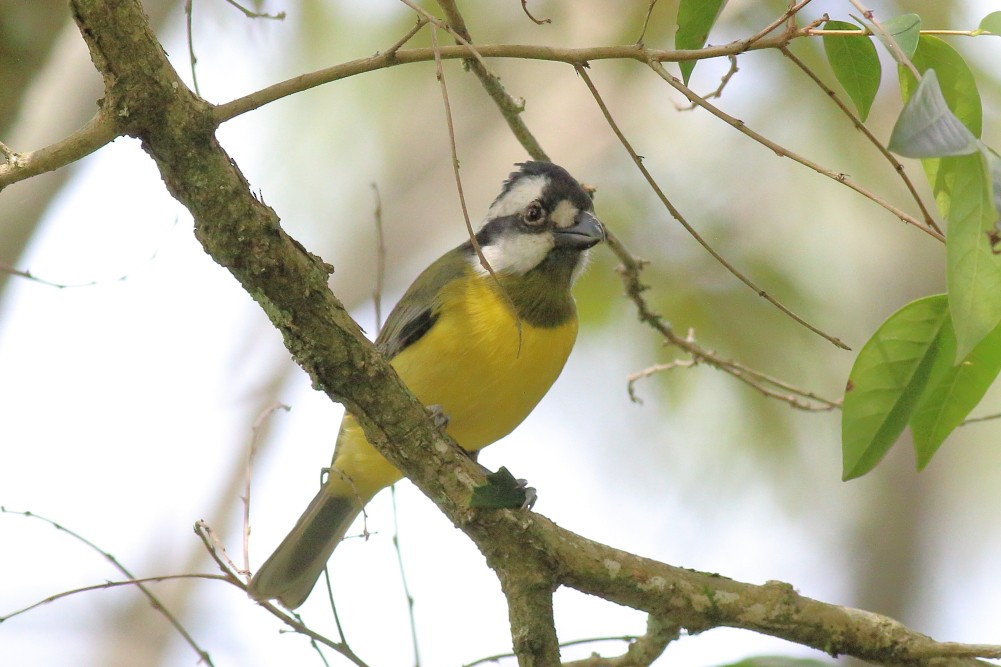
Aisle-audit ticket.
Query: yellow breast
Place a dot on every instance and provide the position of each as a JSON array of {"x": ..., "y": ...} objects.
[{"x": 484, "y": 369}]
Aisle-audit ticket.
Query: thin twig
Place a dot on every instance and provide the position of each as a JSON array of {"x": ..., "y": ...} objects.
[
  {"x": 781, "y": 151},
  {"x": 380, "y": 260},
  {"x": 255, "y": 433},
  {"x": 510, "y": 107},
  {"x": 250, "y": 14},
  {"x": 785, "y": 18},
  {"x": 888, "y": 41},
  {"x": 719, "y": 89},
  {"x": 676, "y": 214},
  {"x": 643, "y": 651},
  {"x": 646, "y": 22},
  {"x": 524, "y": 7},
  {"x": 188, "y": 11},
  {"x": 102, "y": 128},
  {"x": 294, "y": 621},
  {"x": 974, "y": 420},
  {"x": 633, "y": 378},
  {"x": 403, "y": 579},
  {"x": 630, "y": 270},
  {"x": 421, "y": 22},
  {"x": 108, "y": 585},
  {"x": 438, "y": 23},
  {"x": 573, "y": 642},
  {"x": 9, "y": 155},
  {"x": 440, "y": 74},
  {"x": 29, "y": 275},
  {"x": 860, "y": 126},
  {"x": 133, "y": 580},
  {"x": 572, "y": 56},
  {"x": 333, "y": 606}
]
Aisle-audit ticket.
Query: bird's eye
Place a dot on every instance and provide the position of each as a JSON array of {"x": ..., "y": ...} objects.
[{"x": 534, "y": 213}]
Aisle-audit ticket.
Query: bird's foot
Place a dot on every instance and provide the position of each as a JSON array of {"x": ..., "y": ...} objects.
[{"x": 438, "y": 416}]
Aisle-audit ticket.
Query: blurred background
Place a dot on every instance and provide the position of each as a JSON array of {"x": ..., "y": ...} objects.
[{"x": 128, "y": 398}]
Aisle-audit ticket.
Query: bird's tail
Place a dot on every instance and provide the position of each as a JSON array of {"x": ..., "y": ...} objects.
[{"x": 290, "y": 573}]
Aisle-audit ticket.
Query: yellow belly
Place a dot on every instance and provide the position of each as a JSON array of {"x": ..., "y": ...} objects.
[{"x": 476, "y": 365}]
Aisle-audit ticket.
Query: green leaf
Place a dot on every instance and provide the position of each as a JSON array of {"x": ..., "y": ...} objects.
[
  {"x": 994, "y": 167},
  {"x": 991, "y": 23},
  {"x": 973, "y": 271},
  {"x": 927, "y": 128},
  {"x": 954, "y": 76},
  {"x": 855, "y": 64},
  {"x": 502, "y": 491},
  {"x": 905, "y": 30},
  {"x": 953, "y": 391},
  {"x": 963, "y": 189},
  {"x": 886, "y": 382},
  {"x": 695, "y": 19},
  {"x": 960, "y": 91}
]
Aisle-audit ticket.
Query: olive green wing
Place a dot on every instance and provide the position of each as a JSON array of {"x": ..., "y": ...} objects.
[{"x": 418, "y": 308}]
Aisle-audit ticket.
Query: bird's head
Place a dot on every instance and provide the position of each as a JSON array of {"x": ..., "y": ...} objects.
[{"x": 543, "y": 222}]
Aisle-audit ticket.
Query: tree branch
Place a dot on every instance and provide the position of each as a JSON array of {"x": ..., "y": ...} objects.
[{"x": 244, "y": 235}]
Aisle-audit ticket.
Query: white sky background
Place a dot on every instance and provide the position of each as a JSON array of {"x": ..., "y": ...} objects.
[{"x": 126, "y": 405}]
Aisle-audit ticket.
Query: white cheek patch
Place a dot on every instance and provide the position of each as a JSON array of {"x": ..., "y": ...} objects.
[
  {"x": 515, "y": 254},
  {"x": 521, "y": 194},
  {"x": 564, "y": 214}
]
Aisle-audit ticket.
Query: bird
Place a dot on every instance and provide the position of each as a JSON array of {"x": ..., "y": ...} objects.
[{"x": 482, "y": 346}]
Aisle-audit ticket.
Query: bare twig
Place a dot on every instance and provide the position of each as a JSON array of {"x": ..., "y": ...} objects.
[
  {"x": 510, "y": 107},
  {"x": 403, "y": 579},
  {"x": 421, "y": 22},
  {"x": 781, "y": 151},
  {"x": 887, "y": 39},
  {"x": 719, "y": 89},
  {"x": 250, "y": 14},
  {"x": 108, "y": 585},
  {"x": 99, "y": 131},
  {"x": 643, "y": 651},
  {"x": 440, "y": 74},
  {"x": 380, "y": 259},
  {"x": 255, "y": 433},
  {"x": 866, "y": 32},
  {"x": 102, "y": 129},
  {"x": 133, "y": 581},
  {"x": 192, "y": 58},
  {"x": 985, "y": 418},
  {"x": 8, "y": 154},
  {"x": 438, "y": 23},
  {"x": 770, "y": 387},
  {"x": 786, "y": 17},
  {"x": 333, "y": 606},
  {"x": 524, "y": 7},
  {"x": 633, "y": 378},
  {"x": 572, "y": 56},
  {"x": 29, "y": 275},
  {"x": 646, "y": 22},
  {"x": 676, "y": 214},
  {"x": 294, "y": 621},
  {"x": 860, "y": 126}
]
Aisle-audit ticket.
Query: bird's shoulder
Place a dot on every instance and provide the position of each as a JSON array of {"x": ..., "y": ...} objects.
[{"x": 418, "y": 308}]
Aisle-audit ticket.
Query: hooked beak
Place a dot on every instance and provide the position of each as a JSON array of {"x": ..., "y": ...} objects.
[{"x": 585, "y": 233}]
